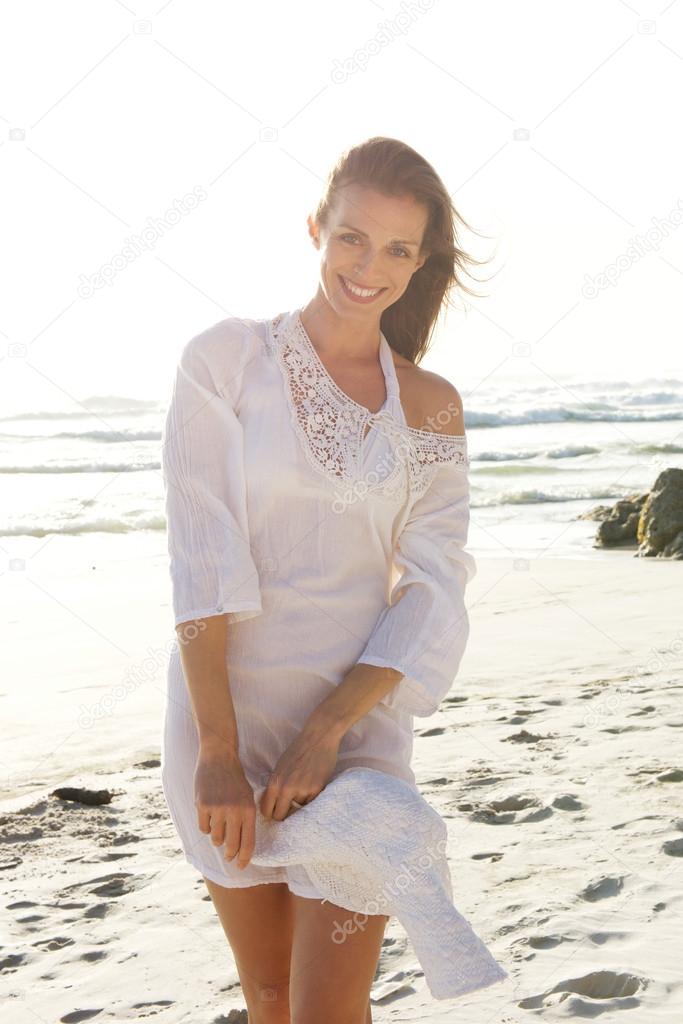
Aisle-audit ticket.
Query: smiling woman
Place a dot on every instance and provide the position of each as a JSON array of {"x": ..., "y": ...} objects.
[
  {"x": 386, "y": 223},
  {"x": 307, "y": 459}
]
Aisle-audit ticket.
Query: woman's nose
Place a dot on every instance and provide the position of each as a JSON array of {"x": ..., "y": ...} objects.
[{"x": 365, "y": 263}]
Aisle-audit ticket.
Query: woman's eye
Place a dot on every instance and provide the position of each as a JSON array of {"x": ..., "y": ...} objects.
[{"x": 395, "y": 247}]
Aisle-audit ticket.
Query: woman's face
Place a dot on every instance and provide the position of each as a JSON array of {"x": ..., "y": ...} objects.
[{"x": 371, "y": 241}]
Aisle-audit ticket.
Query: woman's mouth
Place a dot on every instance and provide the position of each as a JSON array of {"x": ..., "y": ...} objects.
[{"x": 358, "y": 294}]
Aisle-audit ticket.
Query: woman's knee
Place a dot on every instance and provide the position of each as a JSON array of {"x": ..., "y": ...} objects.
[{"x": 266, "y": 1003}]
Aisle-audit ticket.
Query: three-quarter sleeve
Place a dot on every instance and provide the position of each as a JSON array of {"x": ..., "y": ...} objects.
[
  {"x": 202, "y": 458},
  {"x": 424, "y": 630}
]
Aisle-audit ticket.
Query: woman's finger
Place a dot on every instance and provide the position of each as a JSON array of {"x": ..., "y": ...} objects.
[
  {"x": 204, "y": 819},
  {"x": 282, "y": 807},
  {"x": 217, "y": 827},
  {"x": 248, "y": 837},
  {"x": 232, "y": 834},
  {"x": 269, "y": 798}
]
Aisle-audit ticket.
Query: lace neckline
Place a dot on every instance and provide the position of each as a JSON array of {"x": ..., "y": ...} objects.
[
  {"x": 336, "y": 432},
  {"x": 391, "y": 384},
  {"x": 386, "y": 362}
]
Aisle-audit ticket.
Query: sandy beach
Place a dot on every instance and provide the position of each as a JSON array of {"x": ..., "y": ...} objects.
[
  {"x": 555, "y": 761},
  {"x": 495, "y": 192}
]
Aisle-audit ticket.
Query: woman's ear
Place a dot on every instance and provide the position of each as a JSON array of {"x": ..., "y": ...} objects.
[{"x": 313, "y": 231}]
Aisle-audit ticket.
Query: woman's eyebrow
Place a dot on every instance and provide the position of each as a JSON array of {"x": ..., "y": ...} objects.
[{"x": 402, "y": 241}]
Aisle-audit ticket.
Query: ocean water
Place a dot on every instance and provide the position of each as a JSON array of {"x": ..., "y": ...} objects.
[{"x": 535, "y": 464}]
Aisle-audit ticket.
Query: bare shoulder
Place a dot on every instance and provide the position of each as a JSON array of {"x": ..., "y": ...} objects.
[{"x": 430, "y": 402}]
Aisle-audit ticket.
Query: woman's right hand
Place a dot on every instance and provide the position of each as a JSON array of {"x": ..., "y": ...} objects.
[{"x": 225, "y": 804}]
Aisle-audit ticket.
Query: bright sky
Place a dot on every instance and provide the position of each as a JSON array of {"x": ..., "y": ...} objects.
[{"x": 554, "y": 127}]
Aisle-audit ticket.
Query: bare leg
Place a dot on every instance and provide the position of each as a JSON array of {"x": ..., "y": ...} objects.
[
  {"x": 262, "y": 924},
  {"x": 334, "y": 961},
  {"x": 258, "y": 921}
]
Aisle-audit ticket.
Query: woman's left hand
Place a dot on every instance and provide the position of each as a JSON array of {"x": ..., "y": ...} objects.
[{"x": 301, "y": 773}]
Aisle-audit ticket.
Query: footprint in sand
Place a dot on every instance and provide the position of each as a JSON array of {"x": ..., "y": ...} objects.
[
  {"x": 673, "y": 847},
  {"x": 567, "y": 802},
  {"x": 525, "y": 737},
  {"x": 78, "y": 1015},
  {"x": 545, "y": 941},
  {"x": 600, "y": 938},
  {"x": 483, "y": 780},
  {"x": 398, "y": 984},
  {"x": 150, "y": 1007},
  {"x": 98, "y": 912},
  {"x": 117, "y": 884},
  {"x": 513, "y": 803},
  {"x": 9, "y": 964},
  {"x": 50, "y": 944},
  {"x": 603, "y": 888},
  {"x": 520, "y": 715},
  {"x": 507, "y": 810},
  {"x": 590, "y": 994}
]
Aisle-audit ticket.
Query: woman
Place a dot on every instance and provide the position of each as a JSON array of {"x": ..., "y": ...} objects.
[{"x": 304, "y": 456}]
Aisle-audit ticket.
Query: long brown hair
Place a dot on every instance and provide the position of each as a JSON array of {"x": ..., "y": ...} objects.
[{"x": 393, "y": 168}]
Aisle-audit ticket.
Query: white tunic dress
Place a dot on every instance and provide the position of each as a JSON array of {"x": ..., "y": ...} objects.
[{"x": 329, "y": 535}]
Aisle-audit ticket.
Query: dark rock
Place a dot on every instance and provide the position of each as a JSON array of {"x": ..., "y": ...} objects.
[
  {"x": 599, "y": 512},
  {"x": 651, "y": 522},
  {"x": 94, "y": 797},
  {"x": 621, "y": 526},
  {"x": 661, "y": 522}
]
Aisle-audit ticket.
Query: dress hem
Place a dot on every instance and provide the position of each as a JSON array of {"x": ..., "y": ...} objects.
[{"x": 214, "y": 876}]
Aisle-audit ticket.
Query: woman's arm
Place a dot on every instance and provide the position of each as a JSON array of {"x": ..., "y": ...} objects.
[
  {"x": 306, "y": 766},
  {"x": 223, "y": 797},
  {"x": 360, "y": 689},
  {"x": 215, "y": 580},
  {"x": 206, "y": 673}
]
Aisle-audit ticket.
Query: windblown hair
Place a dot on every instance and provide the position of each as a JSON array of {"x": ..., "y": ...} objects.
[{"x": 395, "y": 169}]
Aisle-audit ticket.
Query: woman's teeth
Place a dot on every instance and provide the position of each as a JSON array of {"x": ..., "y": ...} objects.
[{"x": 363, "y": 293}]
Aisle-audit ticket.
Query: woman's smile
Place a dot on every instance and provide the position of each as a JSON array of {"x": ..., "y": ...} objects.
[{"x": 359, "y": 293}]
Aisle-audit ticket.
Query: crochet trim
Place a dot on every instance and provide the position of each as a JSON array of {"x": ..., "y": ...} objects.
[{"x": 334, "y": 429}]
